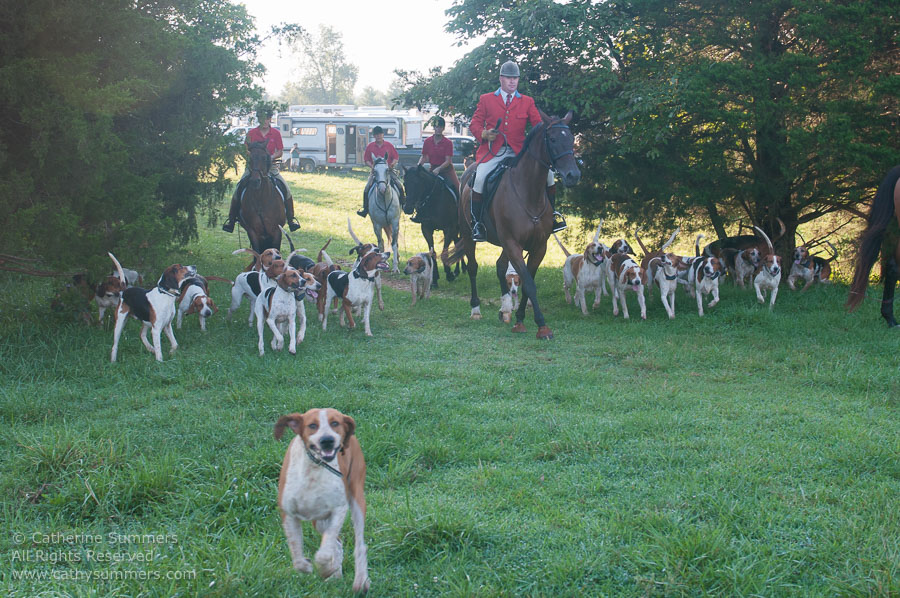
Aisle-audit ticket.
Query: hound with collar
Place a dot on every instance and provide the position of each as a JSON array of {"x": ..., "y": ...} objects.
[
  {"x": 322, "y": 477},
  {"x": 296, "y": 260},
  {"x": 584, "y": 271},
  {"x": 627, "y": 274},
  {"x": 769, "y": 276},
  {"x": 251, "y": 284},
  {"x": 509, "y": 301},
  {"x": 741, "y": 264},
  {"x": 261, "y": 261},
  {"x": 155, "y": 308},
  {"x": 364, "y": 249},
  {"x": 661, "y": 269},
  {"x": 810, "y": 268},
  {"x": 420, "y": 268},
  {"x": 276, "y": 307},
  {"x": 704, "y": 274},
  {"x": 195, "y": 299},
  {"x": 356, "y": 289}
]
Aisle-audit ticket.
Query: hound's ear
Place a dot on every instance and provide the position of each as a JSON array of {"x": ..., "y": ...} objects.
[
  {"x": 356, "y": 249},
  {"x": 214, "y": 307},
  {"x": 168, "y": 278},
  {"x": 294, "y": 420},
  {"x": 350, "y": 425}
]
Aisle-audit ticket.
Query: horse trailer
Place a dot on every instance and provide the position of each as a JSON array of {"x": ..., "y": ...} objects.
[{"x": 338, "y": 139}]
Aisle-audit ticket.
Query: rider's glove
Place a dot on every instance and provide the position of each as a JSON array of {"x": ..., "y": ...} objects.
[{"x": 489, "y": 134}]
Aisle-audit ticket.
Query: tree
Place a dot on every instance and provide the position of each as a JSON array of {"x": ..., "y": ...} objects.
[
  {"x": 774, "y": 109},
  {"x": 109, "y": 112},
  {"x": 327, "y": 77},
  {"x": 374, "y": 97}
]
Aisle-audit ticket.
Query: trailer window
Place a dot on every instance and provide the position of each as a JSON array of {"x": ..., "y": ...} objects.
[
  {"x": 308, "y": 131},
  {"x": 390, "y": 132}
]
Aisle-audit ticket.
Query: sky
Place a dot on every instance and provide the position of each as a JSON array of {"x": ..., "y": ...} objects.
[{"x": 378, "y": 36}]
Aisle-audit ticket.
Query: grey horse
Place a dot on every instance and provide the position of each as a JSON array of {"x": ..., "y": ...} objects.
[{"x": 384, "y": 209}]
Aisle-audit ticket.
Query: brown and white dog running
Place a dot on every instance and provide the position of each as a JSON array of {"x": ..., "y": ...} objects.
[
  {"x": 356, "y": 289},
  {"x": 741, "y": 263},
  {"x": 810, "y": 268},
  {"x": 509, "y": 301},
  {"x": 280, "y": 305},
  {"x": 107, "y": 293},
  {"x": 627, "y": 274},
  {"x": 584, "y": 272},
  {"x": 155, "y": 308},
  {"x": 769, "y": 276},
  {"x": 251, "y": 284},
  {"x": 322, "y": 477},
  {"x": 420, "y": 268},
  {"x": 661, "y": 268},
  {"x": 704, "y": 276}
]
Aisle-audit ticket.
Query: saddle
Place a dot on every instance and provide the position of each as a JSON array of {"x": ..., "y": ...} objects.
[{"x": 491, "y": 183}]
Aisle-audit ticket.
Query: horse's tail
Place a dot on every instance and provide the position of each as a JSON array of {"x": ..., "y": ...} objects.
[
  {"x": 561, "y": 246},
  {"x": 880, "y": 216},
  {"x": 322, "y": 251},
  {"x": 697, "y": 245},
  {"x": 454, "y": 257}
]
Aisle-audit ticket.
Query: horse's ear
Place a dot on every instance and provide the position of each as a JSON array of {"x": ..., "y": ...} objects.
[
  {"x": 546, "y": 119},
  {"x": 567, "y": 117}
]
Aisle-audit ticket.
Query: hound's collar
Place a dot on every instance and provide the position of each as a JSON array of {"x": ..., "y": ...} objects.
[
  {"x": 321, "y": 463},
  {"x": 594, "y": 262},
  {"x": 165, "y": 291},
  {"x": 357, "y": 274},
  {"x": 673, "y": 277}
]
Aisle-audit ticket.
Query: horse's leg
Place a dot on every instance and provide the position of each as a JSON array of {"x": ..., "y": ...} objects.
[
  {"x": 395, "y": 240},
  {"x": 891, "y": 269},
  {"x": 535, "y": 257},
  {"x": 474, "y": 302}
]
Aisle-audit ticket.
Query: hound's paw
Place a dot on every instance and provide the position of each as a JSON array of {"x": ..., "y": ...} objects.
[{"x": 361, "y": 586}]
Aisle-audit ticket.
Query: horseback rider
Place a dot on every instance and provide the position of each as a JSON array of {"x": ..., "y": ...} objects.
[
  {"x": 380, "y": 149},
  {"x": 275, "y": 147},
  {"x": 437, "y": 152},
  {"x": 513, "y": 109}
]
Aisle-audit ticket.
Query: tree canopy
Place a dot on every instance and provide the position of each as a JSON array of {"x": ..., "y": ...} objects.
[
  {"x": 109, "y": 113},
  {"x": 772, "y": 109},
  {"x": 326, "y": 76}
]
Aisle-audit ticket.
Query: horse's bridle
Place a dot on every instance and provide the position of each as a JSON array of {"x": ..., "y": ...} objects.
[
  {"x": 421, "y": 203},
  {"x": 553, "y": 158},
  {"x": 265, "y": 173}
]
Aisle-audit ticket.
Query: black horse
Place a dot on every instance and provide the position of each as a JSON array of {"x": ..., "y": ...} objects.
[{"x": 436, "y": 208}]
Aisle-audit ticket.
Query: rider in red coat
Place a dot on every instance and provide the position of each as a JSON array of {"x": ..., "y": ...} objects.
[{"x": 513, "y": 110}]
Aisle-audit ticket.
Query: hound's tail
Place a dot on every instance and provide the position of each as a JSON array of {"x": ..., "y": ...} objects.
[
  {"x": 697, "y": 245},
  {"x": 255, "y": 264},
  {"x": 352, "y": 234},
  {"x": 671, "y": 239},
  {"x": 641, "y": 243},
  {"x": 322, "y": 252},
  {"x": 880, "y": 216},
  {"x": 122, "y": 283},
  {"x": 561, "y": 246},
  {"x": 766, "y": 237}
]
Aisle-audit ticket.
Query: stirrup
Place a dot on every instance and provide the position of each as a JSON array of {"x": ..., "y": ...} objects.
[
  {"x": 415, "y": 218},
  {"x": 478, "y": 234},
  {"x": 228, "y": 226},
  {"x": 362, "y": 213},
  {"x": 293, "y": 224},
  {"x": 559, "y": 223}
]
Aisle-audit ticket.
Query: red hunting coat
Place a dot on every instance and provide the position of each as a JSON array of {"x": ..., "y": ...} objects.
[{"x": 491, "y": 107}]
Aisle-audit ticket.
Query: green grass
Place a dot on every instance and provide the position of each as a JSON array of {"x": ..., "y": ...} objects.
[{"x": 744, "y": 453}]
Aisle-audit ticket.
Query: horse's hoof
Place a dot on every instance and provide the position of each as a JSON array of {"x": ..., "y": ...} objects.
[
  {"x": 520, "y": 327},
  {"x": 543, "y": 333}
]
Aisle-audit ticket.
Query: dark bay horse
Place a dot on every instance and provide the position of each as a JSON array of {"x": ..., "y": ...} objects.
[
  {"x": 262, "y": 206},
  {"x": 429, "y": 196},
  {"x": 874, "y": 241},
  {"x": 520, "y": 218}
]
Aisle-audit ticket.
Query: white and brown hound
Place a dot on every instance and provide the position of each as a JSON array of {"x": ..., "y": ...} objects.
[
  {"x": 322, "y": 477},
  {"x": 155, "y": 308},
  {"x": 364, "y": 249},
  {"x": 584, "y": 272},
  {"x": 628, "y": 275},
  {"x": 277, "y": 307},
  {"x": 661, "y": 268},
  {"x": 356, "y": 289},
  {"x": 509, "y": 301},
  {"x": 741, "y": 264},
  {"x": 704, "y": 275},
  {"x": 810, "y": 268},
  {"x": 195, "y": 299},
  {"x": 769, "y": 276},
  {"x": 261, "y": 261},
  {"x": 107, "y": 293},
  {"x": 420, "y": 268},
  {"x": 251, "y": 284}
]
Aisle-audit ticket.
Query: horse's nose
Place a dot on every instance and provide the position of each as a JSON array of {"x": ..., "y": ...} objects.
[{"x": 572, "y": 178}]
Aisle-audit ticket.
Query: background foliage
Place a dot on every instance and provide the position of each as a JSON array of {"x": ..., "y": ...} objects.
[
  {"x": 775, "y": 109},
  {"x": 109, "y": 117}
]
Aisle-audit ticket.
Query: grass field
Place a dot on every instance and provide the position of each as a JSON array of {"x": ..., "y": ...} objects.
[{"x": 745, "y": 453}]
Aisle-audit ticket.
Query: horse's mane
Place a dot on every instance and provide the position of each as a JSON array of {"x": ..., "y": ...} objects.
[{"x": 531, "y": 135}]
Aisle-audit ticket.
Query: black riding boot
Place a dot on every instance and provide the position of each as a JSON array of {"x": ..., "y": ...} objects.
[
  {"x": 289, "y": 213},
  {"x": 559, "y": 223},
  {"x": 478, "y": 233},
  {"x": 365, "y": 211},
  {"x": 233, "y": 211}
]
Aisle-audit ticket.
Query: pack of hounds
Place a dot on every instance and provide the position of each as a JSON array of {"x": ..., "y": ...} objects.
[{"x": 613, "y": 270}]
